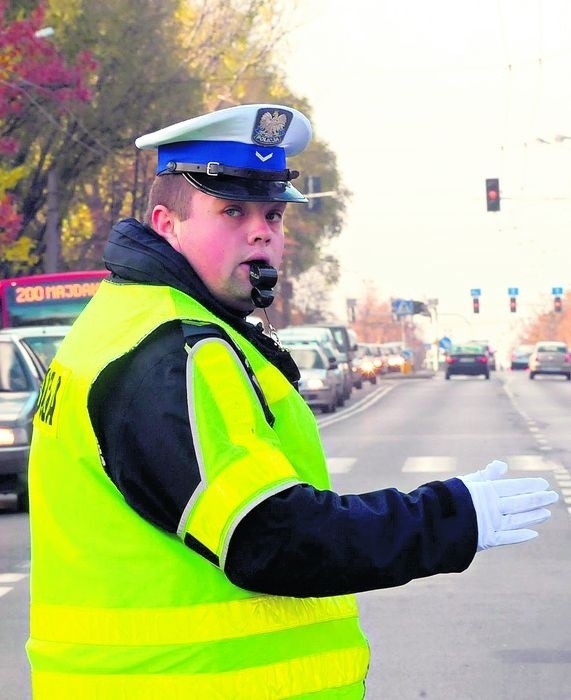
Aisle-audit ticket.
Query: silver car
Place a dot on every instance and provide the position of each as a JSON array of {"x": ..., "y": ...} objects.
[
  {"x": 25, "y": 354},
  {"x": 318, "y": 383},
  {"x": 550, "y": 357}
]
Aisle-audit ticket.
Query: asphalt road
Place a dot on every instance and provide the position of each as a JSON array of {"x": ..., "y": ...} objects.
[
  {"x": 499, "y": 631},
  {"x": 502, "y": 629}
]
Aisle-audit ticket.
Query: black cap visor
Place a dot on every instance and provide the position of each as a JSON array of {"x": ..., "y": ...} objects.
[{"x": 245, "y": 189}]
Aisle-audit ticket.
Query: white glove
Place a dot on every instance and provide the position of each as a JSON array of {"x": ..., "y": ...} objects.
[{"x": 506, "y": 508}]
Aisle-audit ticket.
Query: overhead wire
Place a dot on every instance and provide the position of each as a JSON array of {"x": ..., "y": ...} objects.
[{"x": 538, "y": 94}]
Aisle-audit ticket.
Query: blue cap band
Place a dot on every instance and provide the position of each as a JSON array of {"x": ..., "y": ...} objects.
[{"x": 231, "y": 153}]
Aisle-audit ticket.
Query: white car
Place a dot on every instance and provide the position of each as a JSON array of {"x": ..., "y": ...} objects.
[
  {"x": 325, "y": 337},
  {"x": 25, "y": 354},
  {"x": 550, "y": 357},
  {"x": 319, "y": 382}
]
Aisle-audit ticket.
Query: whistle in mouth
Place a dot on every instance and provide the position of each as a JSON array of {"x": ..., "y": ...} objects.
[{"x": 262, "y": 278}]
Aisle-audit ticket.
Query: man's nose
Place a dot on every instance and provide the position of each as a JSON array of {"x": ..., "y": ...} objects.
[{"x": 260, "y": 230}]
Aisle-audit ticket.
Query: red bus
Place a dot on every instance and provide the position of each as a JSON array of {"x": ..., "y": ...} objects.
[{"x": 47, "y": 300}]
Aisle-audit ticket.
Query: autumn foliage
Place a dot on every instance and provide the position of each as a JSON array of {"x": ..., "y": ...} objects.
[
  {"x": 550, "y": 325},
  {"x": 33, "y": 76}
]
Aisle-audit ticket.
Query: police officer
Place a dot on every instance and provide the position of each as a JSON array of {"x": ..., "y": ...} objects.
[{"x": 185, "y": 538}]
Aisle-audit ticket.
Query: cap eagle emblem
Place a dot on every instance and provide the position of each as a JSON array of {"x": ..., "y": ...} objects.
[{"x": 271, "y": 127}]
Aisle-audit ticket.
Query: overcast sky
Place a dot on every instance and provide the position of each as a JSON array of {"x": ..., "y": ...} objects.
[{"x": 422, "y": 101}]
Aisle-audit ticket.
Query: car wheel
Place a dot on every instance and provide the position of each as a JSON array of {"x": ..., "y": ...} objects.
[
  {"x": 487, "y": 375},
  {"x": 373, "y": 380},
  {"x": 331, "y": 407},
  {"x": 532, "y": 375},
  {"x": 340, "y": 400},
  {"x": 447, "y": 376}
]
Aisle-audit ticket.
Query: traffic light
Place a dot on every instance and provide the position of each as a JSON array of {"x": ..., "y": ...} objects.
[
  {"x": 493, "y": 194},
  {"x": 513, "y": 304},
  {"x": 476, "y": 304},
  {"x": 557, "y": 305}
]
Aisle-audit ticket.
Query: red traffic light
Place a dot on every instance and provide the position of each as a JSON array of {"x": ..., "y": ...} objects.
[
  {"x": 557, "y": 304},
  {"x": 513, "y": 305},
  {"x": 493, "y": 194},
  {"x": 476, "y": 305}
]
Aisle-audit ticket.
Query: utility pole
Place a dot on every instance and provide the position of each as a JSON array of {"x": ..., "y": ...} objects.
[
  {"x": 51, "y": 255},
  {"x": 432, "y": 305}
]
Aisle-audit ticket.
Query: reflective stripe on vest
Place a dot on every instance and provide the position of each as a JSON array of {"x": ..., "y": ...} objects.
[
  {"x": 300, "y": 678},
  {"x": 240, "y": 460}
]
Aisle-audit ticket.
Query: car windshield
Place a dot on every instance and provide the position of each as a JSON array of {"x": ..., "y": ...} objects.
[
  {"x": 13, "y": 376},
  {"x": 552, "y": 347},
  {"x": 467, "y": 350},
  {"x": 43, "y": 347},
  {"x": 307, "y": 358}
]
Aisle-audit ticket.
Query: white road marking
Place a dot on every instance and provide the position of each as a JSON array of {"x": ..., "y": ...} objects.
[
  {"x": 361, "y": 405},
  {"x": 531, "y": 463},
  {"x": 9, "y": 578},
  {"x": 429, "y": 464},
  {"x": 441, "y": 463},
  {"x": 340, "y": 465}
]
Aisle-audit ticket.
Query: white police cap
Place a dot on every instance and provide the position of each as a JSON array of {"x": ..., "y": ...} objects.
[{"x": 236, "y": 153}]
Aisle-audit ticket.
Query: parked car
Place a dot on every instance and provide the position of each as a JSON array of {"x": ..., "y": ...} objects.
[
  {"x": 550, "y": 357},
  {"x": 519, "y": 358},
  {"x": 471, "y": 360},
  {"x": 333, "y": 365},
  {"x": 318, "y": 383},
  {"x": 25, "y": 354},
  {"x": 325, "y": 336}
]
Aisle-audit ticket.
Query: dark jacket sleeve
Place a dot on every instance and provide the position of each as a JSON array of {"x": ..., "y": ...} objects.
[
  {"x": 302, "y": 542},
  {"x": 305, "y": 542}
]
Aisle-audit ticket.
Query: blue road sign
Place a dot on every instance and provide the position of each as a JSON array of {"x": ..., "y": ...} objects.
[
  {"x": 513, "y": 291},
  {"x": 475, "y": 292},
  {"x": 445, "y": 343},
  {"x": 557, "y": 290},
  {"x": 402, "y": 307}
]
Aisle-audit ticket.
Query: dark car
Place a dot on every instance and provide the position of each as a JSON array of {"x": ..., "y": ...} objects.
[
  {"x": 471, "y": 360},
  {"x": 550, "y": 357},
  {"x": 488, "y": 348},
  {"x": 25, "y": 354}
]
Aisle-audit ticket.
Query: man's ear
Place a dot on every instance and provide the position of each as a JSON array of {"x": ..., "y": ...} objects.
[{"x": 163, "y": 221}]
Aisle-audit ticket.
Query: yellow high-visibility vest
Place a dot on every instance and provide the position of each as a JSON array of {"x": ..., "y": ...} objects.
[{"x": 123, "y": 609}]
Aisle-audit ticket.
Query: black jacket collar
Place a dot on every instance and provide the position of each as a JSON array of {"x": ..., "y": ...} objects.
[{"x": 135, "y": 253}]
